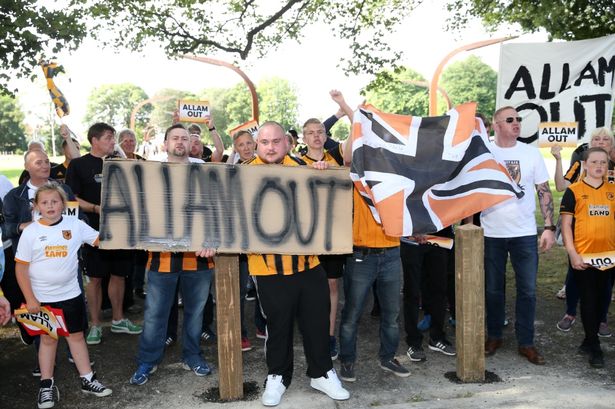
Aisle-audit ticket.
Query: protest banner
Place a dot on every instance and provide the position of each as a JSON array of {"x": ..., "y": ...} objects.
[
  {"x": 563, "y": 134},
  {"x": 250, "y": 126},
  {"x": 48, "y": 321},
  {"x": 558, "y": 82},
  {"x": 601, "y": 261},
  {"x": 277, "y": 209},
  {"x": 193, "y": 111}
]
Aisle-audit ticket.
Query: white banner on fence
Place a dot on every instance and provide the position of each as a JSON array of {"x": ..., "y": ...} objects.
[{"x": 559, "y": 82}]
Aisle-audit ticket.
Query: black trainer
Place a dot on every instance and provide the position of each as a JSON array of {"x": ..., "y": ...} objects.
[
  {"x": 94, "y": 387},
  {"x": 48, "y": 394},
  {"x": 596, "y": 358},
  {"x": 443, "y": 347}
]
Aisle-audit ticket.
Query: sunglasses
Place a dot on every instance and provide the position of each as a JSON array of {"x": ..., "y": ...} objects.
[{"x": 511, "y": 119}]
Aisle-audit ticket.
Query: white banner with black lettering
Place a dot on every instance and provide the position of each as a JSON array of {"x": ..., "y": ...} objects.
[{"x": 559, "y": 82}]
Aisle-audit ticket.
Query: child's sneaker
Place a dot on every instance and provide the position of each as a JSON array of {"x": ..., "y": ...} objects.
[
  {"x": 94, "y": 336},
  {"x": 125, "y": 326},
  {"x": 48, "y": 394},
  {"x": 94, "y": 387}
]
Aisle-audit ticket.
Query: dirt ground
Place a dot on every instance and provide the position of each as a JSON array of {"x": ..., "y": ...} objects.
[{"x": 566, "y": 381}]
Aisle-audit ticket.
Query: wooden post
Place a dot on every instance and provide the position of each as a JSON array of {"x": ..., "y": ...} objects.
[
  {"x": 230, "y": 360},
  {"x": 470, "y": 303}
]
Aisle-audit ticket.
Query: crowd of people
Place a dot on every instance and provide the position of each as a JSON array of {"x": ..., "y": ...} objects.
[{"x": 52, "y": 260}]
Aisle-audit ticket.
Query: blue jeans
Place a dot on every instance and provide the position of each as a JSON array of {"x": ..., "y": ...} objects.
[
  {"x": 524, "y": 259},
  {"x": 194, "y": 286},
  {"x": 382, "y": 266}
]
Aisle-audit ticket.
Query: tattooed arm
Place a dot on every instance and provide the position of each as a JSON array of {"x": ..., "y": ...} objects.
[{"x": 545, "y": 198}]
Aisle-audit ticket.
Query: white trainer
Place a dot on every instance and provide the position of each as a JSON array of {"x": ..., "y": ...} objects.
[
  {"x": 330, "y": 385},
  {"x": 274, "y": 389}
]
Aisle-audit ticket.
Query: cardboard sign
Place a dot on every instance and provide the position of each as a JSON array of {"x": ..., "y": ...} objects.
[
  {"x": 250, "y": 126},
  {"x": 567, "y": 81},
  {"x": 270, "y": 209},
  {"x": 601, "y": 261},
  {"x": 193, "y": 111},
  {"x": 48, "y": 321},
  {"x": 564, "y": 134},
  {"x": 437, "y": 241}
]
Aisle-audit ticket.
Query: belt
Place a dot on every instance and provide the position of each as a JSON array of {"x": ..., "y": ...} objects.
[{"x": 372, "y": 250}]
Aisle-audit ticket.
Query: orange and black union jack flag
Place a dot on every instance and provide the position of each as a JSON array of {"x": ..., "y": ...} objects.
[
  {"x": 421, "y": 174},
  {"x": 50, "y": 70}
]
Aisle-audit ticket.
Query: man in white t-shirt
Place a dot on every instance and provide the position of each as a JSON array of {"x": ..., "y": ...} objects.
[{"x": 510, "y": 228}]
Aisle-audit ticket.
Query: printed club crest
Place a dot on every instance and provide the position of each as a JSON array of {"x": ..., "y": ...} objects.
[
  {"x": 67, "y": 234},
  {"x": 514, "y": 169}
]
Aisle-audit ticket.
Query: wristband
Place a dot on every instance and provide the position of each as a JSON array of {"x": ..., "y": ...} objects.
[
  {"x": 213, "y": 128},
  {"x": 552, "y": 228}
]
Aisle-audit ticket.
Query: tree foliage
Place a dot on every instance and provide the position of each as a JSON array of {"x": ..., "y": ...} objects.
[
  {"x": 562, "y": 19},
  {"x": 244, "y": 27},
  {"x": 471, "y": 80},
  {"x": 30, "y": 31},
  {"x": 113, "y": 104},
  {"x": 394, "y": 92},
  {"x": 278, "y": 101},
  {"x": 12, "y": 131},
  {"x": 162, "y": 114}
]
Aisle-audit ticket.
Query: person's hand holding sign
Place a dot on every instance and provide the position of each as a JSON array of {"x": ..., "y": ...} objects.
[
  {"x": 33, "y": 305},
  {"x": 206, "y": 252},
  {"x": 556, "y": 152},
  {"x": 5, "y": 310}
]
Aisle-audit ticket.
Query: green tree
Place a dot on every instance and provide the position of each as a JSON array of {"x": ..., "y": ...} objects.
[
  {"x": 163, "y": 108},
  {"x": 30, "y": 31},
  {"x": 12, "y": 131},
  {"x": 278, "y": 102},
  {"x": 340, "y": 130},
  {"x": 562, "y": 19},
  {"x": 397, "y": 92},
  {"x": 231, "y": 107},
  {"x": 471, "y": 80},
  {"x": 243, "y": 27},
  {"x": 113, "y": 104}
]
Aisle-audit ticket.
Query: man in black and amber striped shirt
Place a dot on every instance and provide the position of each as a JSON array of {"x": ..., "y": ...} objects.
[
  {"x": 292, "y": 287},
  {"x": 164, "y": 270}
]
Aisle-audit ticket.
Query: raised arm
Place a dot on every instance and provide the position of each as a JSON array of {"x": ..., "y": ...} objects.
[
  {"x": 337, "y": 96},
  {"x": 218, "y": 152},
  {"x": 545, "y": 198},
  {"x": 560, "y": 183},
  {"x": 65, "y": 132}
]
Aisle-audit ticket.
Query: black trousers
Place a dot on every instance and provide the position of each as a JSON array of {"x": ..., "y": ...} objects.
[
  {"x": 431, "y": 264},
  {"x": 591, "y": 284},
  {"x": 305, "y": 297}
]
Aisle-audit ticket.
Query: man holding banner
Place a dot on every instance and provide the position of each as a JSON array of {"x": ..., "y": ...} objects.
[
  {"x": 292, "y": 287},
  {"x": 510, "y": 228},
  {"x": 194, "y": 273}
]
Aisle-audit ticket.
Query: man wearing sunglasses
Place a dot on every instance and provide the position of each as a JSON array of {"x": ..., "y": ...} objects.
[{"x": 510, "y": 228}]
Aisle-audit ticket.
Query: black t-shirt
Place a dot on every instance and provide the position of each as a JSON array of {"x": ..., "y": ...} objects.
[{"x": 84, "y": 176}]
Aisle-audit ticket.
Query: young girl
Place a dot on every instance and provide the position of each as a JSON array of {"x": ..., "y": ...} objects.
[
  {"x": 46, "y": 269},
  {"x": 588, "y": 228}
]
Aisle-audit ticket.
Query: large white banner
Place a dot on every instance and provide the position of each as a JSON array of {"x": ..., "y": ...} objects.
[{"x": 559, "y": 82}]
